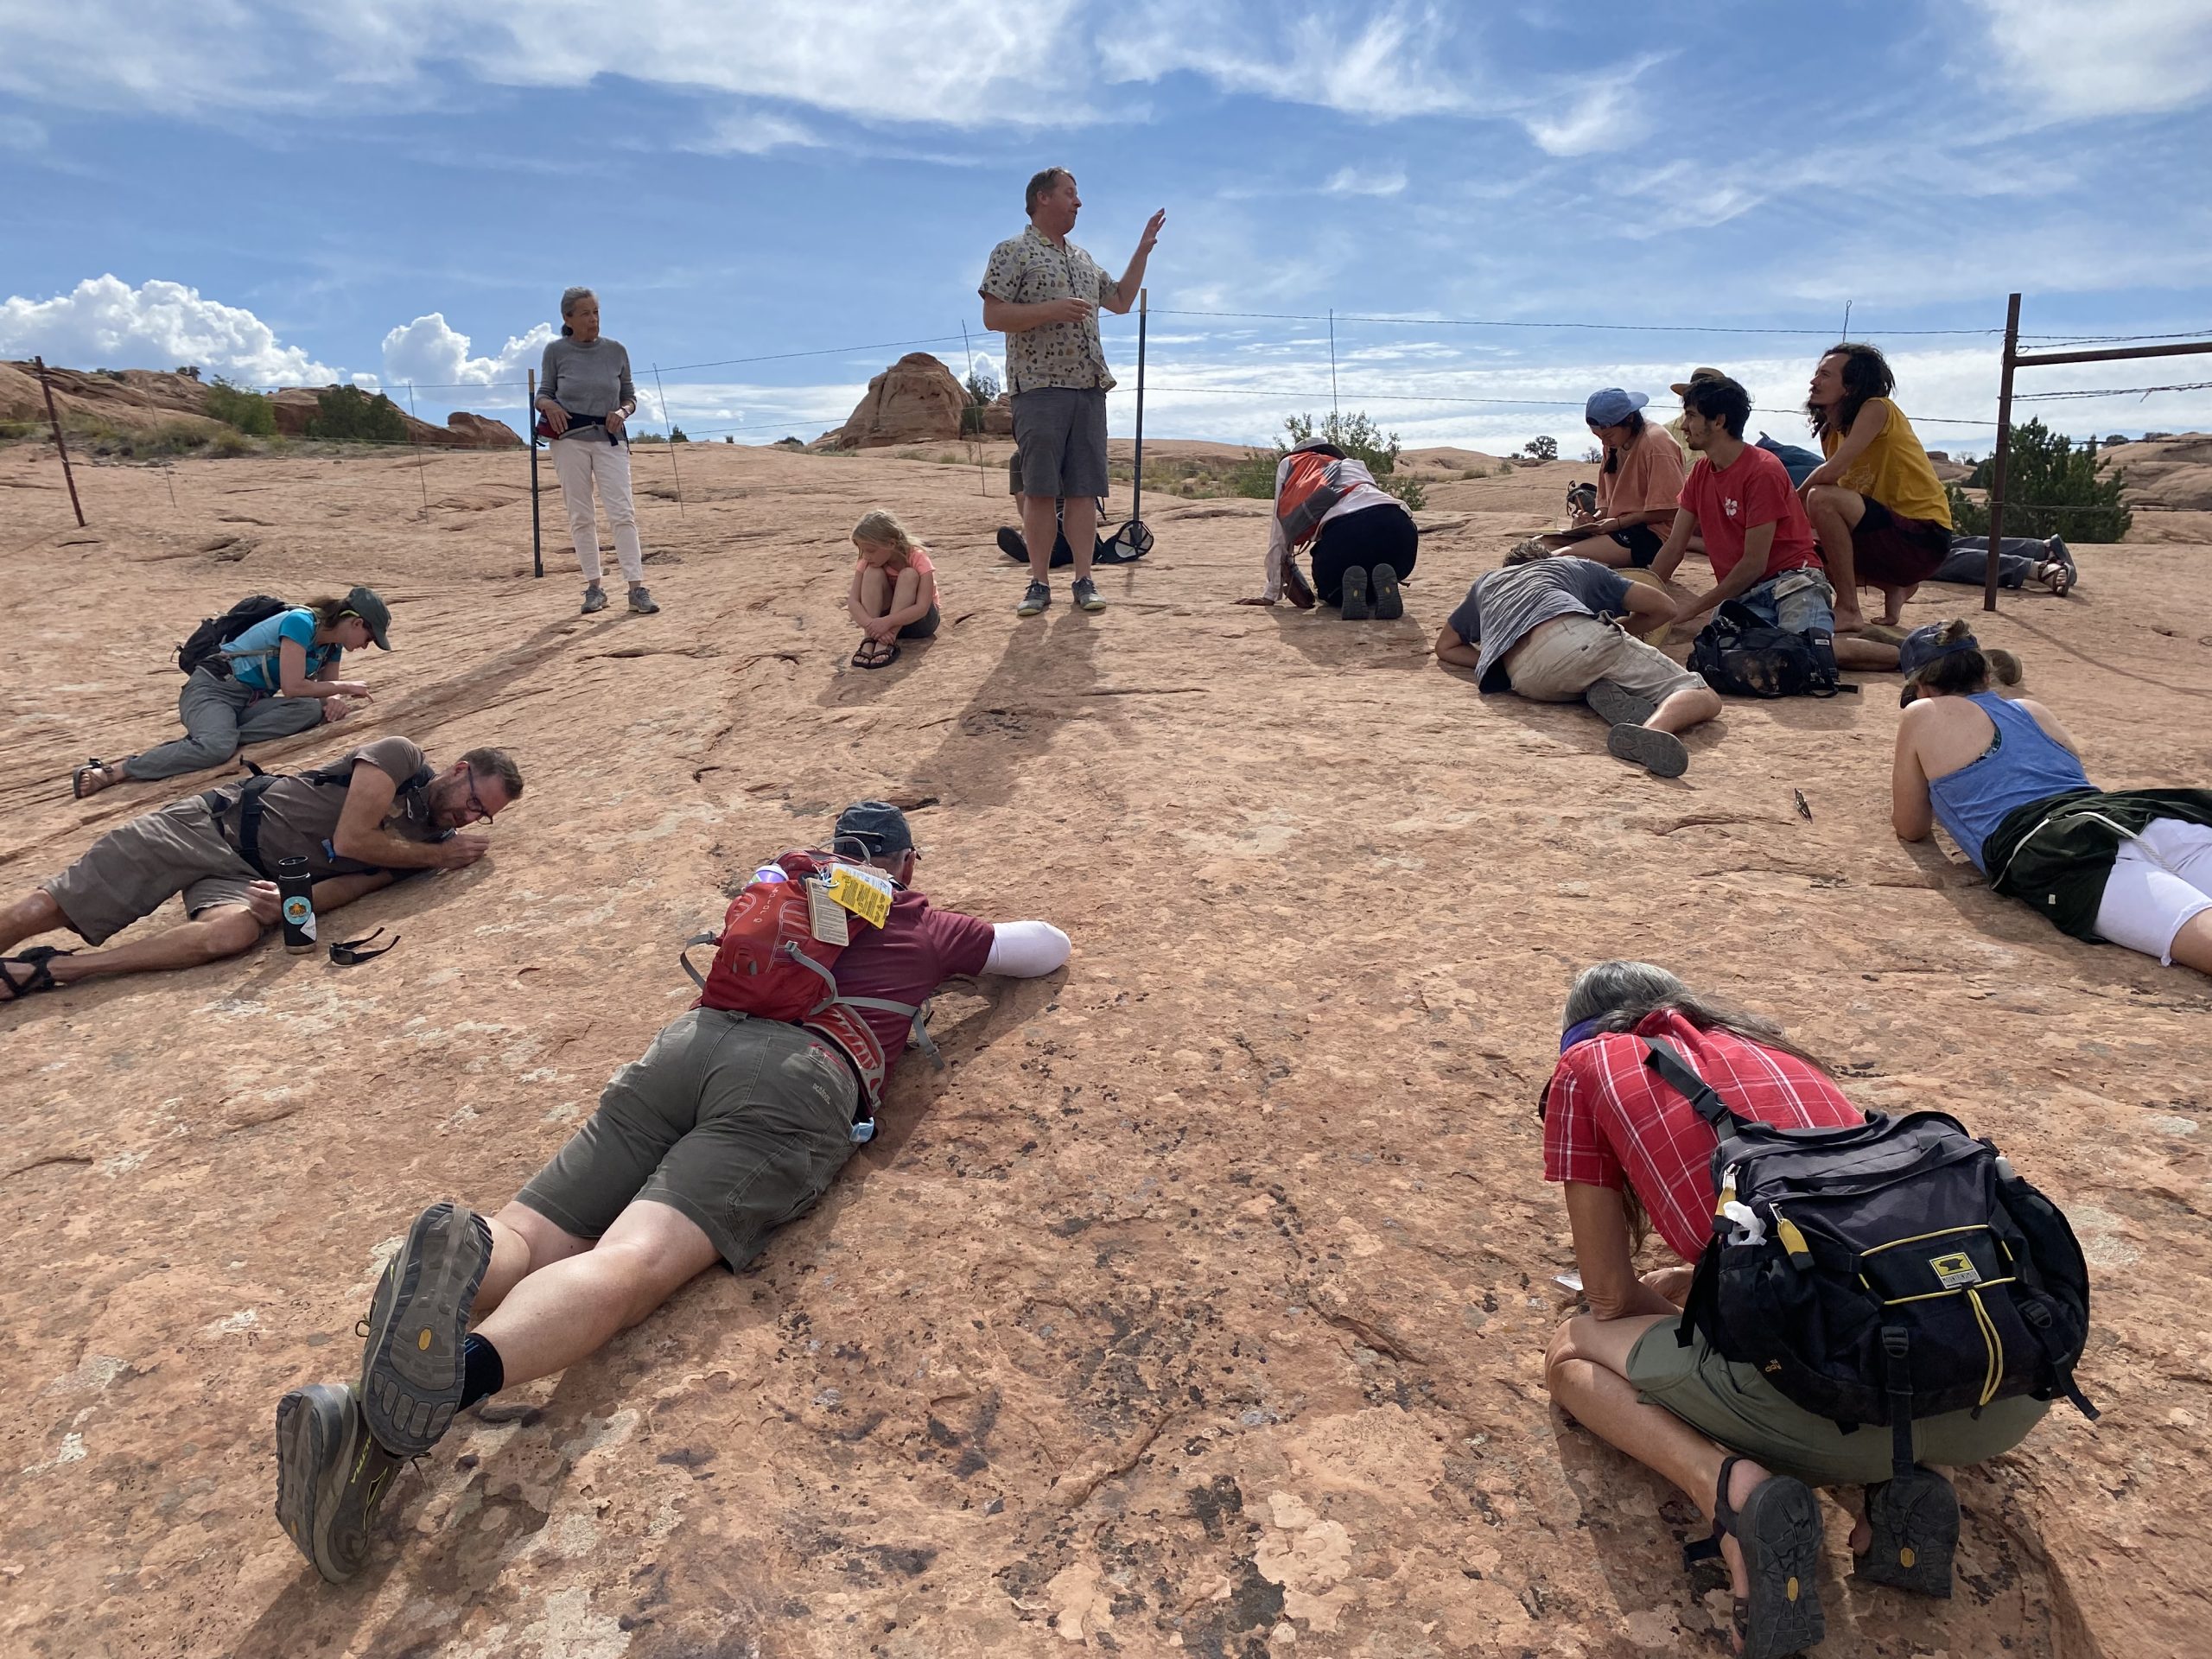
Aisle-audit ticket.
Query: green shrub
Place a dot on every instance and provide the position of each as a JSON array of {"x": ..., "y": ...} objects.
[
  {"x": 1355, "y": 433},
  {"x": 982, "y": 387},
  {"x": 247, "y": 411},
  {"x": 2050, "y": 488},
  {"x": 676, "y": 435},
  {"x": 346, "y": 414},
  {"x": 1543, "y": 448}
]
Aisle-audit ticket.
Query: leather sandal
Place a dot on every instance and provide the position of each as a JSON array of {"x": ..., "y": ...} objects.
[
  {"x": 1915, "y": 1522},
  {"x": 1779, "y": 1531},
  {"x": 37, "y": 959}
]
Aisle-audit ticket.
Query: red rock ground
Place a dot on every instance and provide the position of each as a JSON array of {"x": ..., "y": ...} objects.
[{"x": 1199, "y": 1306}]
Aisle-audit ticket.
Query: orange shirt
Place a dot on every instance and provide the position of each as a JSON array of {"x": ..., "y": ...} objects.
[{"x": 1649, "y": 479}]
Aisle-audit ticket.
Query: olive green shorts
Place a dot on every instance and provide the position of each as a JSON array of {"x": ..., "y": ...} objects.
[
  {"x": 1736, "y": 1405},
  {"x": 739, "y": 1123}
]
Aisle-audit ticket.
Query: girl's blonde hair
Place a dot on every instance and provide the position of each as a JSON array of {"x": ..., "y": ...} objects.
[{"x": 882, "y": 529}]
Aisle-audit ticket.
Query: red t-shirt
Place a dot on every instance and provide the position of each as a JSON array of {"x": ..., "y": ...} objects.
[
  {"x": 1610, "y": 1116},
  {"x": 916, "y": 951},
  {"x": 1754, "y": 490}
]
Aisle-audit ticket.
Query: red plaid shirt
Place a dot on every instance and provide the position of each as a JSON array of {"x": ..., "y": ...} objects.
[{"x": 1609, "y": 1116}]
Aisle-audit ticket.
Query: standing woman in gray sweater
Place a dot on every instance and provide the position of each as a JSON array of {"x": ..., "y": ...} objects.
[{"x": 585, "y": 394}]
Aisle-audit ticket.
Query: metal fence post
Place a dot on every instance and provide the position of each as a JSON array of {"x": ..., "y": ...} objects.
[
  {"x": 2004, "y": 444},
  {"x": 54, "y": 419}
]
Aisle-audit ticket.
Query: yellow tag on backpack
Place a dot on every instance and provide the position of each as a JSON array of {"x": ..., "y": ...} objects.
[{"x": 862, "y": 891}]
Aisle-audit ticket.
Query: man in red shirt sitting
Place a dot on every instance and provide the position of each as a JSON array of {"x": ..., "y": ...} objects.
[
  {"x": 730, "y": 1126},
  {"x": 1739, "y": 498},
  {"x": 1634, "y": 1156}
]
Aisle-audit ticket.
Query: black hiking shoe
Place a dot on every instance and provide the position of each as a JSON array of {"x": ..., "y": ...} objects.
[
  {"x": 1354, "y": 604},
  {"x": 331, "y": 1476},
  {"x": 1388, "y": 604},
  {"x": 410, "y": 1364}
]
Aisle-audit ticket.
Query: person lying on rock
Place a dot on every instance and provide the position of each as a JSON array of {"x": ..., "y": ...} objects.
[
  {"x": 276, "y": 677},
  {"x": 1364, "y": 542},
  {"x": 2020, "y": 559},
  {"x": 893, "y": 591},
  {"x": 376, "y": 812},
  {"x": 1634, "y": 1158},
  {"x": 2006, "y": 780},
  {"x": 1547, "y": 627},
  {"x": 1883, "y": 516},
  {"x": 731, "y": 1125},
  {"x": 1738, "y": 498}
]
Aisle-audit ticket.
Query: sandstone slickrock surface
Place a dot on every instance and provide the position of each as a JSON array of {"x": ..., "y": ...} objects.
[
  {"x": 915, "y": 400},
  {"x": 1199, "y": 1306}
]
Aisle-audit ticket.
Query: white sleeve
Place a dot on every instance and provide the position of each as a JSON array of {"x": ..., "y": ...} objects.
[
  {"x": 1025, "y": 950},
  {"x": 1278, "y": 545}
]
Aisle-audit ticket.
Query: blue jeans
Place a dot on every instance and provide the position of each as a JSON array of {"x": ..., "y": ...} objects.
[{"x": 1797, "y": 602}]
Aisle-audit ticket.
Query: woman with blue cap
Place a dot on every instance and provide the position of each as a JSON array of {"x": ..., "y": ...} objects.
[
  {"x": 2132, "y": 866},
  {"x": 1638, "y": 488}
]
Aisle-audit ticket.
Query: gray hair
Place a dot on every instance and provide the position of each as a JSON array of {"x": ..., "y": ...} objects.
[
  {"x": 1618, "y": 995},
  {"x": 569, "y": 298}
]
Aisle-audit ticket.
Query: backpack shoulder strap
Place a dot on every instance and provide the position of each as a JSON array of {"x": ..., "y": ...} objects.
[
  {"x": 1660, "y": 1056},
  {"x": 917, "y": 1033}
]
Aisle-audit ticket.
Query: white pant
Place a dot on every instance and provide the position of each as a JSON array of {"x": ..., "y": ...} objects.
[
  {"x": 582, "y": 462},
  {"x": 2158, "y": 882}
]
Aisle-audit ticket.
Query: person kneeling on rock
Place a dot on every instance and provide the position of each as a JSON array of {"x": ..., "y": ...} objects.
[
  {"x": 1364, "y": 542},
  {"x": 1635, "y": 1155},
  {"x": 732, "y": 1124},
  {"x": 893, "y": 591}
]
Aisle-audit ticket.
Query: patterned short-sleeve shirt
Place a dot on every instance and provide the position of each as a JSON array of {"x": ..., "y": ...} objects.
[{"x": 1030, "y": 269}]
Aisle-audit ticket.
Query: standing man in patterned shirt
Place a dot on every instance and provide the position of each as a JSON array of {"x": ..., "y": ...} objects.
[{"x": 1044, "y": 293}]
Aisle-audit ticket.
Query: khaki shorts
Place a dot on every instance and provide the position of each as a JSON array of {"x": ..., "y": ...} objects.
[
  {"x": 134, "y": 870},
  {"x": 1736, "y": 1405},
  {"x": 1563, "y": 657},
  {"x": 739, "y": 1123}
]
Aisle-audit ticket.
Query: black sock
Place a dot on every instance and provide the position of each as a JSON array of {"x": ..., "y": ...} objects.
[{"x": 482, "y": 1373}]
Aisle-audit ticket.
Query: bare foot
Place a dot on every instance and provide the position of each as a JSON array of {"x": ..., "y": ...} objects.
[{"x": 1849, "y": 619}]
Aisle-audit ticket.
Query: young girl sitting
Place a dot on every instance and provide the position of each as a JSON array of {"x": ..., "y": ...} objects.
[{"x": 893, "y": 595}]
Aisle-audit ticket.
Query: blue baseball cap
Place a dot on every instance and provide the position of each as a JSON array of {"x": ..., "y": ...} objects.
[
  {"x": 1612, "y": 406},
  {"x": 1924, "y": 646}
]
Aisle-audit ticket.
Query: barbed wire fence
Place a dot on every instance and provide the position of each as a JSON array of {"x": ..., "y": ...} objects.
[{"x": 1399, "y": 391}]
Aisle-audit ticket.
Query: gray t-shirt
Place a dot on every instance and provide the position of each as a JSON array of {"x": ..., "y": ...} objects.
[
  {"x": 1503, "y": 605},
  {"x": 300, "y": 812},
  {"x": 591, "y": 379}
]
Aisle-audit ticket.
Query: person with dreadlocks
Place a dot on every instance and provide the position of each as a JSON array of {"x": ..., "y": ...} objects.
[{"x": 1880, "y": 512}]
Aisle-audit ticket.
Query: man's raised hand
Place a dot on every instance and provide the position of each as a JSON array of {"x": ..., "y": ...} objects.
[{"x": 1151, "y": 236}]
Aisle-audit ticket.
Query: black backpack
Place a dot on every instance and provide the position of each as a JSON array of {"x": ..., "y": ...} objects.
[
  {"x": 1902, "y": 1269},
  {"x": 204, "y": 647},
  {"x": 1741, "y": 657}
]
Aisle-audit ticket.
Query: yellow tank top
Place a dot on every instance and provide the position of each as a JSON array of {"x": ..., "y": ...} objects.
[{"x": 1895, "y": 469}]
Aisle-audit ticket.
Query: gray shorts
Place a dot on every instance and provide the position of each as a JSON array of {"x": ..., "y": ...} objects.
[
  {"x": 739, "y": 1123},
  {"x": 134, "y": 870},
  {"x": 1059, "y": 435},
  {"x": 1738, "y": 1406}
]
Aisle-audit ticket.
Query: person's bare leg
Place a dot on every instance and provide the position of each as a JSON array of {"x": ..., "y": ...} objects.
[
  {"x": 225, "y": 931},
  {"x": 2192, "y": 946},
  {"x": 564, "y": 1312},
  {"x": 875, "y": 591},
  {"x": 1893, "y": 601},
  {"x": 34, "y": 913},
  {"x": 1080, "y": 519},
  {"x": 1691, "y": 706},
  {"x": 1586, "y": 1371},
  {"x": 1040, "y": 526},
  {"x": 522, "y": 1242},
  {"x": 1852, "y": 651},
  {"x": 908, "y": 590},
  {"x": 1835, "y": 512}
]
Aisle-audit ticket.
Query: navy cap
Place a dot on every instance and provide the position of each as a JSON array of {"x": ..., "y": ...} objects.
[
  {"x": 1925, "y": 644},
  {"x": 1612, "y": 406},
  {"x": 875, "y": 828}
]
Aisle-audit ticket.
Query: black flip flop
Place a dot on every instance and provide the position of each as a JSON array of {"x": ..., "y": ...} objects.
[
  {"x": 1011, "y": 543},
  {"x": 36, "y": 959},
  {"x": 1389, "y": 606},
  {"x": 1779, "y": 1529},
  {"x": 1354, "y": 604},
  {"x": 1915, "y": 1520}
]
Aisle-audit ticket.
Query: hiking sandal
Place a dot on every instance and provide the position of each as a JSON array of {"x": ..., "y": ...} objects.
[
  {"x": 37, "y": 959},
  {"x": 2055, "y": 576},
  {"x": 93, "y": 768},
  {"x": 876, "y": 653},
  {"x": 1779, "y": 1530},
  {"x": 1915, "y": 1520}
]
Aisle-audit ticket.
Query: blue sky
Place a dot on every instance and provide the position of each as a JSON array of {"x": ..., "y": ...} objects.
[{"x": 289, "y": 192}]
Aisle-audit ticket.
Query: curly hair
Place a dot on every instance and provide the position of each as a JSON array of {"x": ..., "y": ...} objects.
[{"x": 1866, "y": 374}]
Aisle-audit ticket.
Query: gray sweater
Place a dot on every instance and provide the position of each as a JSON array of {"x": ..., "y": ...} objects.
[{"x": 591, "y": 379}]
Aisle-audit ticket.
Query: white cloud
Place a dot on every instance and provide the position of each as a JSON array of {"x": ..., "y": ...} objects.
[
  {"x": 2115, "y": 57},
  {"x": 755, "y": 132},
  {"x": 1356, "y": 181},
  {"x": 1382, "y": 64},
  {"x": 105, "y": 323},
  {"x": 428, "y": 352},
  {"x": 1598, "y": 115}
]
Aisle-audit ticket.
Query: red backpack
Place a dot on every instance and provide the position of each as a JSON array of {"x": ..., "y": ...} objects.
[{"x": 768, "y": 964}]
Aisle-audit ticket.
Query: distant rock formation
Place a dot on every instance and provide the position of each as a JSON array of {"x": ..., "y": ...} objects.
[
  {"x": 138, "y": 400},
  {"x": 916, "y": 400}
]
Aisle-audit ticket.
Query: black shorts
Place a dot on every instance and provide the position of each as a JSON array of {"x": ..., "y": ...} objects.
[
  {"x": 1642, "y": 542},
  {"x": 1383, "y": 534},
  {"x": 923, "y": 626},
  {"x": 1891, "y": 551}
]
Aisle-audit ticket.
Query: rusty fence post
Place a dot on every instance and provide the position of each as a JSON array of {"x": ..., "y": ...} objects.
[
  {"x": 2004, "y": 444},
  {"x": 53, "y": 419}
]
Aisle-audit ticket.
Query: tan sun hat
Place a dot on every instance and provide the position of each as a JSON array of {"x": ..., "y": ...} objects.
[{"x": 1682, "y": 386}]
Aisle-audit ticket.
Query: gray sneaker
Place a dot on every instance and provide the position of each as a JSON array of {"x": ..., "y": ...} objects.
[
  {"x": 641, "y": 601},
  {"x": 1087, "y": 596},
  {"x": 1617, "y": 705},
  {"x": 411, "y": 1363},
  {"x": 595, "y": 599},
  {"x": 331, "y": 1476},
  {"x": 1034, "y": 599}
]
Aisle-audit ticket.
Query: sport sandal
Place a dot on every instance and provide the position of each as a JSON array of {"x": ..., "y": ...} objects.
[
  {"x": 1915, "y": 1520},
  {"x": 1779, "y": 1531}
]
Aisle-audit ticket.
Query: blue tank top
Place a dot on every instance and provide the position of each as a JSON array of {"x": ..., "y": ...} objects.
[{"x": 2023, "y": 763}]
